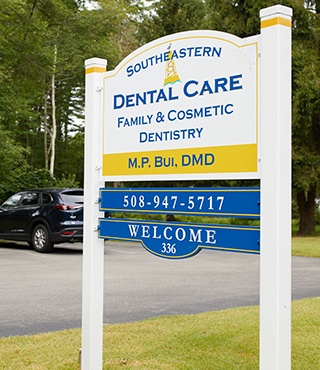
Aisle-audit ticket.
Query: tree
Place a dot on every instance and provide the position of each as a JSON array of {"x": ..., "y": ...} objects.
[
  {"x": 170, "y": 16},
  {"x": 242, "y": 19},
  {"x": 306, "y": 112},
  {"x": 43, "y": 46},
  {"x": 12, "y": 163}
]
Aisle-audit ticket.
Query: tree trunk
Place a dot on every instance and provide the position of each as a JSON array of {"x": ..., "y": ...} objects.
[
  {"x": 306, "y": 210},
  {"x": 45, "y": 138},
  {"x": 53, "y": 107}
]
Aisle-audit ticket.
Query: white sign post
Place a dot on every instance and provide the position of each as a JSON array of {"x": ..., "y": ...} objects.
[
  {"x": 197, "y": 105},
  {"x": 275, "y": 252},
  {"x": 93, "y": 248}
]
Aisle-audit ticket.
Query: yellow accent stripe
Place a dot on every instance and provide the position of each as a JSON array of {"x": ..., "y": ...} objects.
[
  {"x": 95, "y": 70},
  {"x": 221, "y": 159},
  {"x": 276, "y": 21}
]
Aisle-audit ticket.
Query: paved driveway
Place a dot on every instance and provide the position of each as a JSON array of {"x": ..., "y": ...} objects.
[{"x": 42, "y": 292}]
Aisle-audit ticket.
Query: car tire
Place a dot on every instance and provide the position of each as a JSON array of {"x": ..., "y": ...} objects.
[{"x": 40, "y": 239}]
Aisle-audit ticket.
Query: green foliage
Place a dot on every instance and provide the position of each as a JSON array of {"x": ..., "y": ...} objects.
[
  {"x": 16, "y": 174},
  {"x": 34, "y": 179},
  {"x": 306, "y": 116},
  {"x": 32, "y": 34},
  {"x": 306, "y": 111},
  {"x": 171, "y": 16},
  {"x": 12, "y": 162},
  {"x": 26, "y": 180},
  {"x": 68, "y": 181},
  {"x": 70, "y": 158}
]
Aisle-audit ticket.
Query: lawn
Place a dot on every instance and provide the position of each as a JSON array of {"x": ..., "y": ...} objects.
[
  {"x": 306, "y": 246},
  {"x": 215, "y": 340}
]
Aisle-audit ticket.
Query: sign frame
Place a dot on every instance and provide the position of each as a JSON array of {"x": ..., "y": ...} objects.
[{"x": 275, "y": 177}]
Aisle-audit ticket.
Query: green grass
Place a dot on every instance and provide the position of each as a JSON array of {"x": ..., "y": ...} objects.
[
  {"x": 216, "y": 340},
  {"x": 306, "y": 246}
]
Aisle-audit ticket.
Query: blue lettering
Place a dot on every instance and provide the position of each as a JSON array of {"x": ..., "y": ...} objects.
[
  {"x": 140, "y": 98},
  {"x": 175, "y": 54},
  {"x": 190, "y": 50},
  {"x": 161, "y": 96},
  {"x": 118, "y": 101},
  {"x": 235, "y": 83},
  {"x": 189, "y": 114},
  {"x": 151, "y": 60},
  {"x": 169, "y": 115},
  {"x": 185, "y": 160},
  {"x": 167, "y": 56},
  {"x": 144, "y": 161},
  {"x": 129, "y": 71},
  {"x": 215, "y": 51},
  {"x": 151, "y": 94},
  {"x": 206, "y": 51},
  {"x": 120, "y": 120},
  {"x": 182, "y": 53},
  {"x": 171, "y": 96},
  {"x": 206, "y": 88},
  {"x": 203, "y": 159},
  {"x": 185, "y": 89},
  {"x": 159, "y": 58},
  {"x": 146, "y": 64},
  {"x": 151, "y": 137},
  {"x": 220, "y": 82},
  {"x": 207, "y": 112},
  {"x": 143, "y": 137},
  {"x": 133, "y": 163},
  {"x": 137, "y": 67},
  {"x": 227, "y": 108},
  {"x": 129, "y": 100},
  {"x": 208, "y": 159},
  {"x": 197, "y": 51}
]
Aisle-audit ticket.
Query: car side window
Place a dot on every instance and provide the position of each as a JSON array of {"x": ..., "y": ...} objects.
[
  {"x": 46, "y": 198},
  {"x": 30, "y": 199},
  {"x": 12, "y": 201}
]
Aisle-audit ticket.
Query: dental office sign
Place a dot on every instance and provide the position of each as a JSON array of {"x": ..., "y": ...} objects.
[
  {"x": 183, "y": 106},
  {"x": 194, "y": 105}
]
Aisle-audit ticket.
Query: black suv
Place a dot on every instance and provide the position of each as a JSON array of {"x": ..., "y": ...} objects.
[{"x": 43, "y": 217}]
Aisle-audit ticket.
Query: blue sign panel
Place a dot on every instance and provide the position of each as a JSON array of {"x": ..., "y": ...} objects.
[
  {"x": 218, "y": 202},
  {"x": 175, "y": 240}
]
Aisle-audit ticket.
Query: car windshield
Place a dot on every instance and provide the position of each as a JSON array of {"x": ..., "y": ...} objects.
[{"x": 12, "y": 201}]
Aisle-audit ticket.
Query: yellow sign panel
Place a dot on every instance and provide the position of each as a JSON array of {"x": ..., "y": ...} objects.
[{"x": 209, "y": 160}]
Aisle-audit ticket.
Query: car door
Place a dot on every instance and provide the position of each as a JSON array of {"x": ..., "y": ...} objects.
[
  {"x": 6, "y": 210},
  {"x": 21, "y": 216}
]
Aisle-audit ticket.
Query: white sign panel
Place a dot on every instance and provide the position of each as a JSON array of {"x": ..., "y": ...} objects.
[{"x": 183, "y": 106}]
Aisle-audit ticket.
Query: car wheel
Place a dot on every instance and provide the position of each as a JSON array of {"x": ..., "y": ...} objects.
[{"x": 40, "y": 239}]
